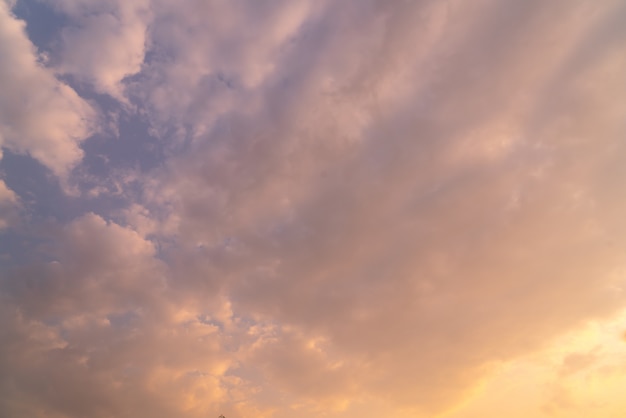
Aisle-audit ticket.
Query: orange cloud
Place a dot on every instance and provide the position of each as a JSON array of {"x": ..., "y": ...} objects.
[{"x": 359, "y": 208}]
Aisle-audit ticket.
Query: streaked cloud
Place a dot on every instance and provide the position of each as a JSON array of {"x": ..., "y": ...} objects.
[{"x": 316, "y": 208}]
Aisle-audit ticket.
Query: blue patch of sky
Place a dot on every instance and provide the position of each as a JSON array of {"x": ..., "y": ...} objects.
[
  {"x": 124, "y": 319},
  {"x": 15, "y": 249},
  {"x": 134, "y": 148},
  {"x": 43, "y": 23},
  {"x": 39, "y": 190},
  {"x": 126, "y": 145}
]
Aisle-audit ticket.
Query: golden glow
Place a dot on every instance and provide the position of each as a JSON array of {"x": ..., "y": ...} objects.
[{"x": 312, "y": 208}]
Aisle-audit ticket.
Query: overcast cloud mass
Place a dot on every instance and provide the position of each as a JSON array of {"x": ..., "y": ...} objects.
[{"x": 312, "y": 208}]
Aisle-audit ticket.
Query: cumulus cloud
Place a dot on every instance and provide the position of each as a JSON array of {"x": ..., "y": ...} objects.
[
  {"x": 359, "y": 207},
  {"x": 106, "y": 43},
  {"x": 80, "y": 332},
  {"x": 39, "y": 115}
]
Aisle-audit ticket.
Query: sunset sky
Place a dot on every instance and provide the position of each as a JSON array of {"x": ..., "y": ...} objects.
[{"x": 312, "y": 208}]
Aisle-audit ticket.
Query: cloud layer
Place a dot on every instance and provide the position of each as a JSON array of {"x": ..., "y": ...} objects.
[{"x": 313, "y": 208}]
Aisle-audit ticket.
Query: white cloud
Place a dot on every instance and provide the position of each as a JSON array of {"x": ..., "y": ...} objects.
[
  {"x": 39, "y": 115},
  {"x": 106, "y": 44}
]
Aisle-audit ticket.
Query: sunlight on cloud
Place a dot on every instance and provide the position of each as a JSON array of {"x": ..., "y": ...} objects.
[
  {"x": 316, "y": 208},
  {"x": 39, "y": 115},
  {"x": 579, "y": 374},
  {"x": 9, "y": 203}
]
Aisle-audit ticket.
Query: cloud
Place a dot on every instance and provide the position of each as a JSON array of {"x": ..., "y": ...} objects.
[
  {"x": 79, "y": 333},
  {"x": 39, "y": 115},
  {"x": 358, "y": 206},
  {"x": 426, "y": 234},
  {"x": 203, "y": 62},
  {"x": 106, "y": 44},
  {"x": 9, "y": 204}
]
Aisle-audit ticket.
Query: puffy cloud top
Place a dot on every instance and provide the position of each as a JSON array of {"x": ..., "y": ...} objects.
[{"x": 39, "y": 114}]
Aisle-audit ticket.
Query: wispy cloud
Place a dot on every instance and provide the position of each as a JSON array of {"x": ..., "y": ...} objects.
[{"x": 335, "y": 208}]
